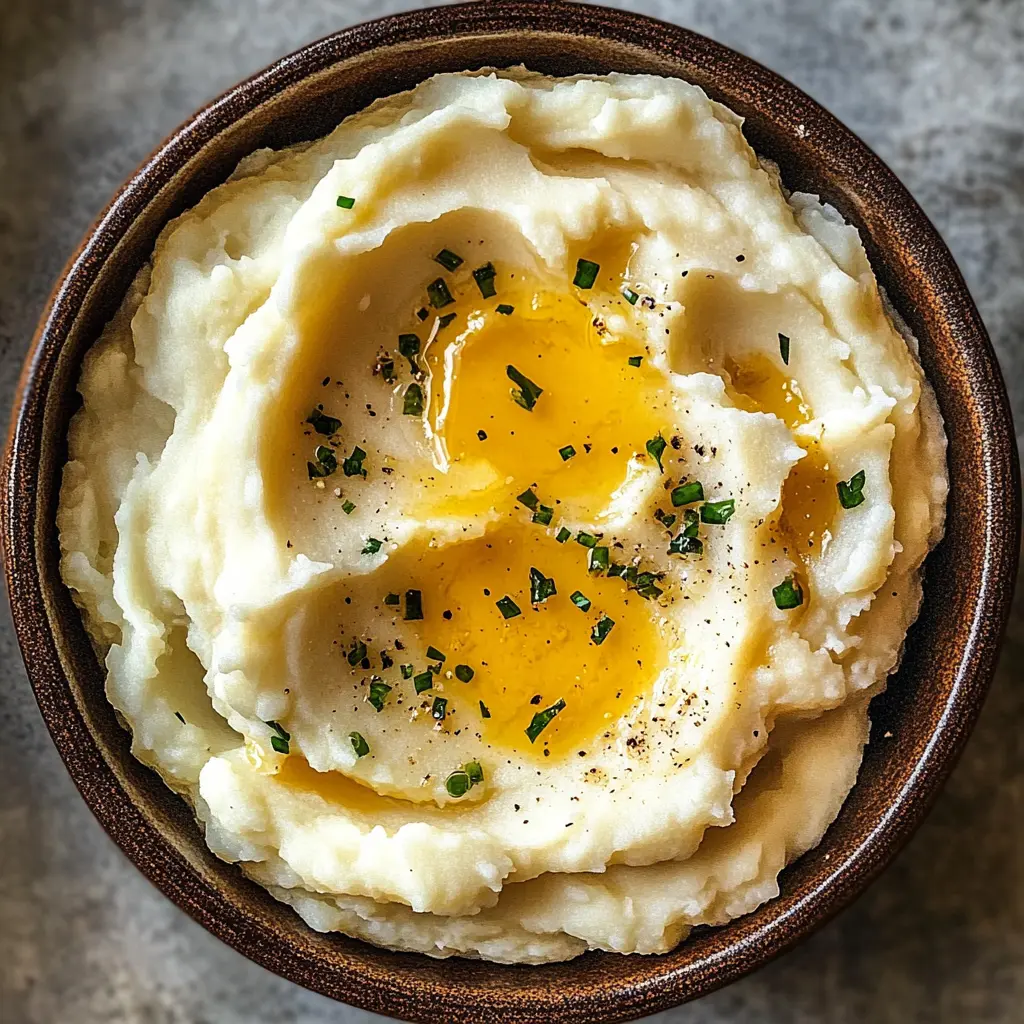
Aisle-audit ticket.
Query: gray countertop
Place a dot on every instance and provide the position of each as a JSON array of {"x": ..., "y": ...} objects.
[{"x": 89, "y": 87}]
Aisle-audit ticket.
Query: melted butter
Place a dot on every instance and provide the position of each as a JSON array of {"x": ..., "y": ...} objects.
[
  {"x": 334, "y": 787},
  {"x": 544, "y": 652},
  {"x": 592, "y": 399},
  {"x": 809, "y": 500}
]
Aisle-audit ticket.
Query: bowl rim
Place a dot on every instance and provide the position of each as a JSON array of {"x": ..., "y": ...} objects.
[{"x": 410, "y": 994}]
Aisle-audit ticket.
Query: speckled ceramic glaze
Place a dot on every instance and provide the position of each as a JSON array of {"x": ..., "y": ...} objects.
[{"x": 919, "y": 725}]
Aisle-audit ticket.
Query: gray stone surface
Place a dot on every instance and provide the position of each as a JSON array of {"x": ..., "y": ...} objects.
[{"x": 88, "y": 87}]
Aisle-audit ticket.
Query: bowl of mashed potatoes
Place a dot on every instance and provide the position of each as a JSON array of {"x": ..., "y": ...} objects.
[{"x": 475, "y": 515}]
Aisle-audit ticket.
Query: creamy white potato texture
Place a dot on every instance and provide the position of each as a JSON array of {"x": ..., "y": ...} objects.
[{"x": 496, "y": 516}]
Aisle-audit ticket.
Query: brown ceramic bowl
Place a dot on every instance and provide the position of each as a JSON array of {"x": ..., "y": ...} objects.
[{"x": 921, "y": 722}]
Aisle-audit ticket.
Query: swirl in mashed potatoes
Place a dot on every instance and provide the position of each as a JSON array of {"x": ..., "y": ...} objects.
[{"x": 496, "y": 516}]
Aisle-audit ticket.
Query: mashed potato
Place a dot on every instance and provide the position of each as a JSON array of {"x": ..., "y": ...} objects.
[{"x": 496, "y": 517}]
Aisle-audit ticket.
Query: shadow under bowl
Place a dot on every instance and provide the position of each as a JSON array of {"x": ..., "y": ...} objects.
[{"x": 919, "y": 724}]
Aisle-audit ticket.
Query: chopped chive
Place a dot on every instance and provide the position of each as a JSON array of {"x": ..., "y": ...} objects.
[
  {"x": 423, "y": 312},
  {"x": 409, "y": 346},
  {"x": 508, "y": 608},
  {"x": 541, "y": 587},
  {"x": 665, "y": 518},
  {"x": 279, "y": 729},
  {"x": 529, "y": 499},
  {"x": 353, "y": 465},
  {"x": 322, "y": 423},
  {"x": 438, "y": 294},
  {"x": 586, "y": 273},
  {"x": 635, "y": 360},
  {"x": 475, "y": 772},
  {"x": 717, "y": 512},
  {"x": 687, "y": 494},
  {"x": 630, "y": 296},
  {"x": 600, "y": 632},
  {"x": 567, "y": 452},
  {"x": 784, "y": 348},
  {"x": 542, "y": 719},
  {"x": 434, "y": 654},
  {"x": 439, "y": 708},
  {"x": 527, "y": 393},
  {"x": 616, "y": 570},
  {"x": 424, "y": 681},
  {"x": 386, "y": 368},
  {"x": 598, "y": 560},
  {"x": 788, "y": 594},
  {"x": 544, "y": 515},
  {"x": 588, "y": 540},
  {"x": 485, "y": 711},
  {"x": 378, "y": 695},
  {"x": 280, "y": 745},
  {"x": 386, "y": 661},
  {"x": 180, "y": 717},
  {"x": 458, "y": 784},
  {"x": 563, "y": 535},
  {"x": 326, "y": 461},
  {"x": 581, "y": 600},
  {"x": 646, "y": 585},
  {"x": 392, "y": 599},
  {"x": 656, "y": 448},
  {"x": 481, "y": 435},
  {"x": 464, "y": 673},
  {"x": 358, "y": 652},
  {"x": 484, "y": 277},
  {"x": 448, "y": 259},
  {"x": 413, "y": 605},
  {"x": 444, "y": 321},
  {"x": 372, "y": 546},
  {"x": 348, "y": 508},
  {"x": 412, "y": 402},
  {"x": 346, "y": 202},
  {"x": 407, "y": 671},
  {"x": 359, "y": 745},
  {"x": 504, "y": 309},
  {"x": 684, "y": 545},
  {"x": 851, "y": 492}
]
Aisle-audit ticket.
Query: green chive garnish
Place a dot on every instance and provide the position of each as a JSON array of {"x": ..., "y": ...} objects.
[
  {"x": 541, "y": 587},
  {"x": 581, "y": 600},
  {"x": 372, "y": 546},
  {"x": 386, "y": 660},
  {"x": 598, "y": 561},
  {"x": 485, "y": 711},
  {"x": 353, "y": 465},
  {"x": 438, "y": 294},
  {"x": 358, "y": 652},
  {"x": 359, "y": 745},
  {"x": 784, "y": 348},
  {"x": 586, "y": 273},
  {"x": 630, "y": 296},
  {"x": 588, "y": 540},
  {"x": 386, "y": 368},
  {"x": 407, "y": 671},
  {"x": 656, "y": 448},
  {"x": 348, "y": 508},
  {"x": 851, "y": 492},
  {"x": 684, "y": 545},
  {"x": 458, "y": 784},
  {"x": 448, "y": 259},
  {"x": 563, "y": 535},
  {"x": 280, "y": 740},
  {"x": 424, "y": 681},
  {"x": 484, "y": 277},
  {"x": 717, "y": 512},
  {"x": 600, "y": 632},
  {"x": 529, "y": 499},
  {"x": 326, "y": 462},
  {"x": 439, "y": 708},
  {"x": 412, "y": 402},
  {"x": 635, "y": 360},
  {"x": 508, "y": 608},
  {"x": 504, "y": 309},
  {"x": 527, "y": 393},
  {"x": 378, "y": 695},
  {"x": 542, "y": 719},
  {"x": 346, "y": 202},
  {"x": 687, "y": 494},
  {"x": 409, "y": 346},
  {"x": 413, "y": 605},
  {"x": 544, "y": 515},
  {"x": 434, "y": 654},
  {"x": 567, "y": 452},
  {"x": 392, "y": 599},
  {"x": 423, "y": 312},
  {"x": 646, "y": 585},
  {"x": 322, "y": 423},
  {"x": 475, "y": 772},
  {"x": 788, "y": 594},
  {"x": 464, "y": 673},
  {"x": 665, "y": 518}
]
